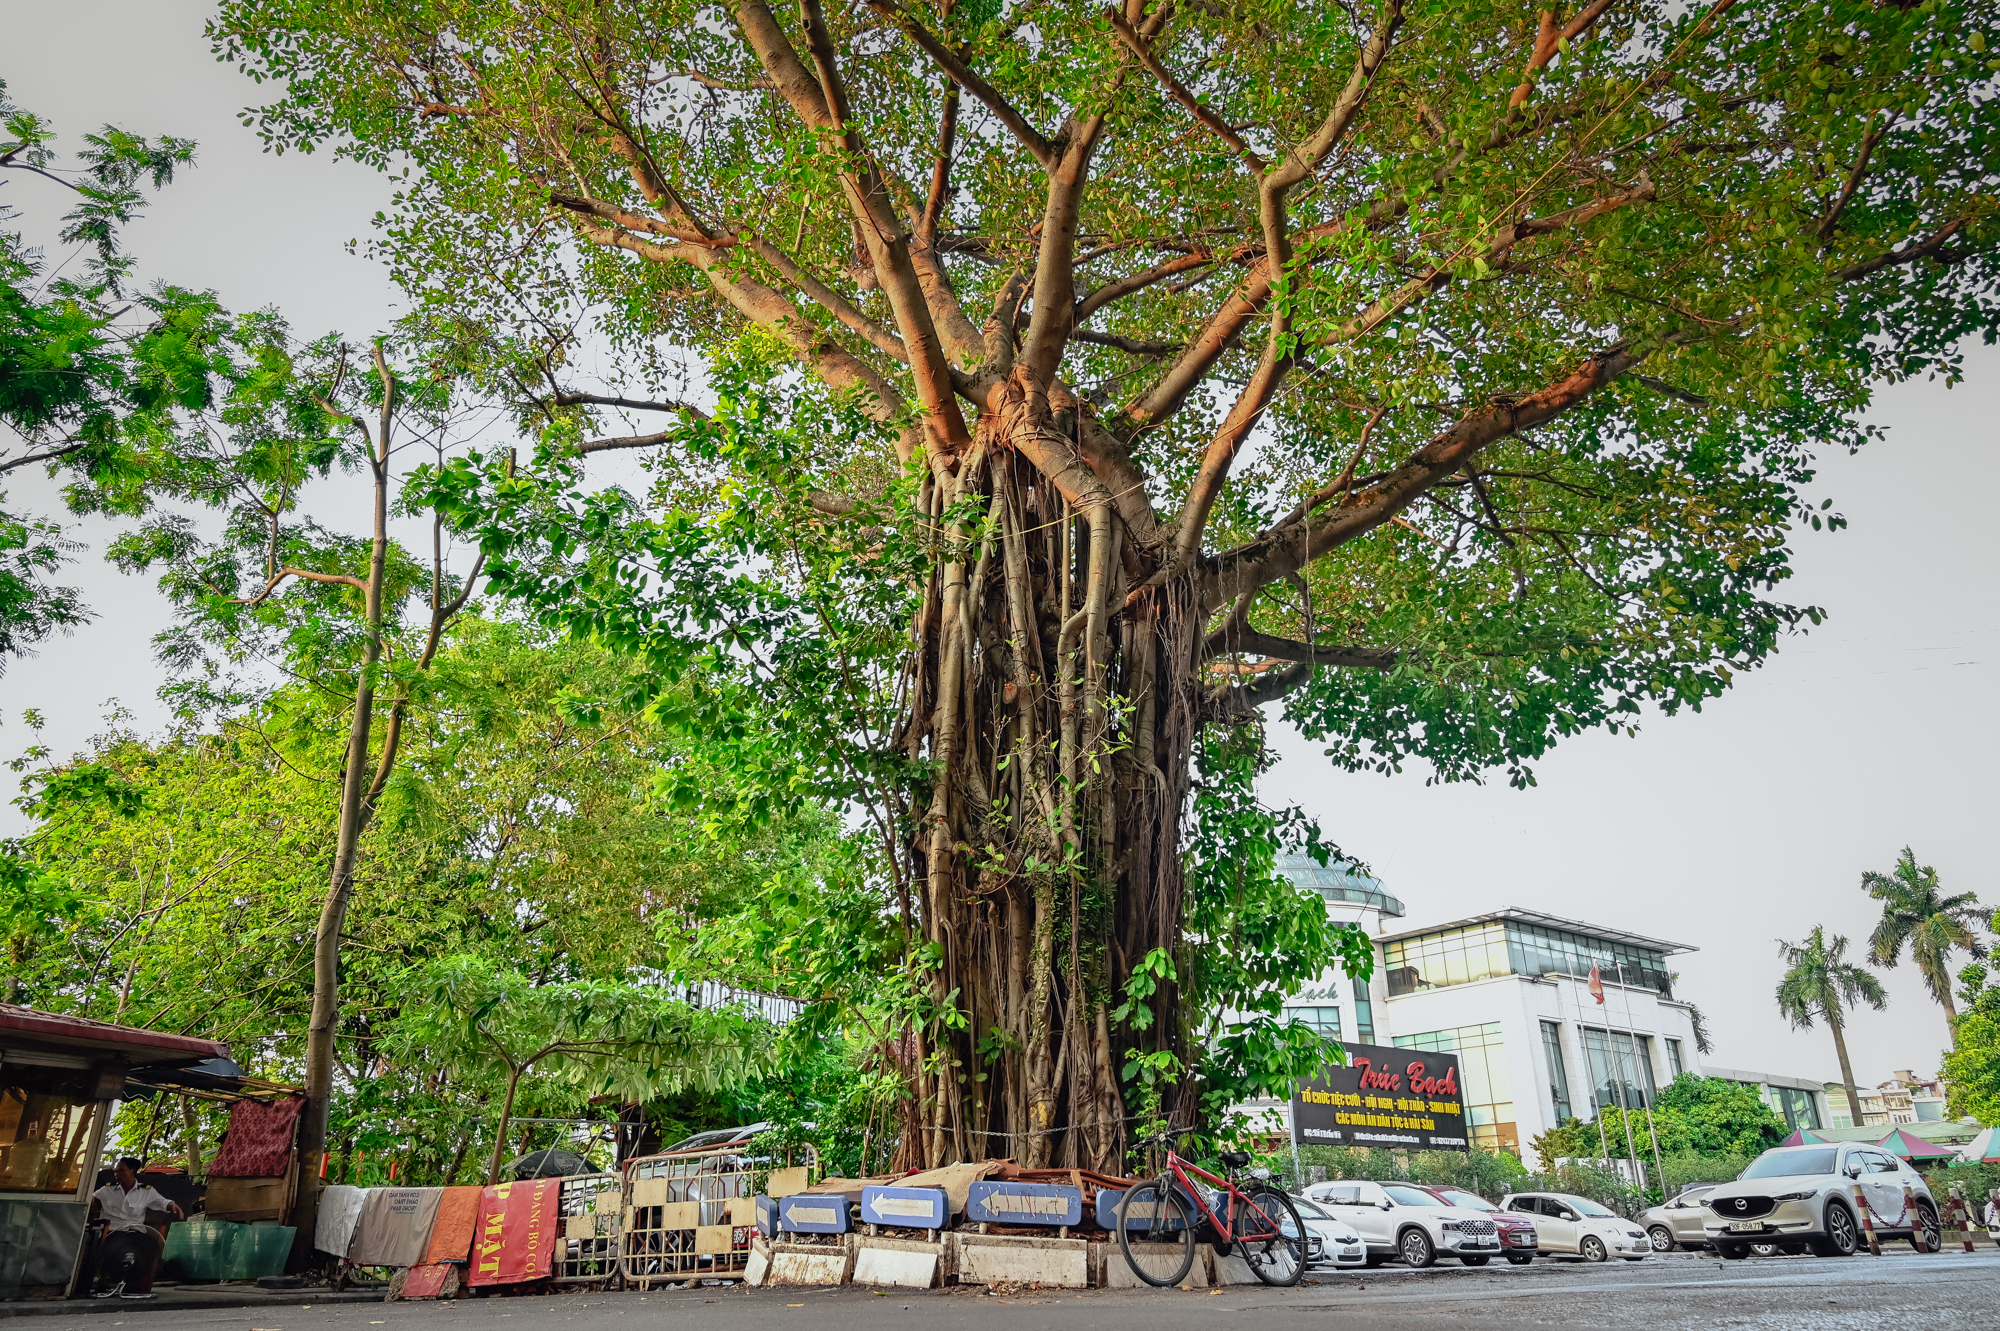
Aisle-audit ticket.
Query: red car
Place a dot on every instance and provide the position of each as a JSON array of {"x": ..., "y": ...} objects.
[{"x": 1518, "y": 1239}]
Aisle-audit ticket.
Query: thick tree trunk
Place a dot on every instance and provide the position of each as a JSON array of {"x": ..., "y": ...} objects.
[
  {"x": 1048, "y": 850},
  {"x": 500, "y": 1132}
]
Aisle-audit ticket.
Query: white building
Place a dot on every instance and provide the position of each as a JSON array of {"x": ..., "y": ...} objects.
[{"x": 1507, "y": 992}]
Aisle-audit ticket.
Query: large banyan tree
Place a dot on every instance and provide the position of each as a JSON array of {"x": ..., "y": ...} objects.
[{"x": 1447, "y": 373}]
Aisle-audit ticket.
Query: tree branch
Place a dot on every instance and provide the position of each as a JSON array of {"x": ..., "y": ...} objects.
[
  {"x": 1017, "y": 124},
  {"x": 343, "y": 579},
  {"x": 1179, "y": 92},
  {"x": 1119, "y": 288}
]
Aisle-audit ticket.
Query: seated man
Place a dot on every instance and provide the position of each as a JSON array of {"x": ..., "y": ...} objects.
[{"x": 130, "y": 1251}]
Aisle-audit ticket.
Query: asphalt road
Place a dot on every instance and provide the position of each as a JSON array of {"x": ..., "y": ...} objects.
[{"x": 1939, "y": 1292}]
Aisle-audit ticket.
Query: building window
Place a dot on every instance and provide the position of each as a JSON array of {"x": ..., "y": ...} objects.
[
  {"x": 1676, "y": 1069},
  {"x": 1482, "y": 1062},
  {"x": 1796, "y": 1107},
  {"x": 1456, "y": 956},
  {"x": 1621, "y": 1073},
  {"x": 1486, "y": 951},
  {"x": 1552, "y": 1045},
  {"x": 1325, "y": 1020},
  {"x": 1534, "y": 949},
  {"x": 1364, "y": 1014},
  {"x": 45, "y": 1121}
]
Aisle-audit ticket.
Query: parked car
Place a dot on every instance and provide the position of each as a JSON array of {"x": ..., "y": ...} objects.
[
  {"x": 1402, "y": 1221},
  {"x": 1340, "y": 1244},
  {"x": 1570, "y": 1226},
  {"x": 1679, "y": 1223},
  {"x": 1518, "y": 1240},
  {"x": 1802, "y": 1199}
]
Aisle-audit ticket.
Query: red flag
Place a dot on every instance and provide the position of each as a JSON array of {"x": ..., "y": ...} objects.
[{"x": 1596, "y": 985}]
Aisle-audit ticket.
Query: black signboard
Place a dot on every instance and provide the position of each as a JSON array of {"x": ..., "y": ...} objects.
[{"x": 1402, "y": 1099}]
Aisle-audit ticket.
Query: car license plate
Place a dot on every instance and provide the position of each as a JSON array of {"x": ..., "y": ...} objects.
[
  {"x": 1746, "y": 1227},
  {"x": 1482, "y": 1243}
]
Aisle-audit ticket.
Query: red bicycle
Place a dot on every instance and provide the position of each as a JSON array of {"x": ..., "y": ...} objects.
[{"x": 1157, "y": 1226}]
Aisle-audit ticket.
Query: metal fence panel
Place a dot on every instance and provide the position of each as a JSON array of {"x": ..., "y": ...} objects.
[
  {"x": 689, "y": 1214},
  {"x": 587, "y": 1251}
]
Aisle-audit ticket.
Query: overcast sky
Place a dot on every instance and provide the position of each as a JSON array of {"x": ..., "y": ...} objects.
[{"x": 1749, "y": 822}]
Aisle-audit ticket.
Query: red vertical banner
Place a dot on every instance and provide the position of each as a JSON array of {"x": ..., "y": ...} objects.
[{"x": 517, "y": 1230}]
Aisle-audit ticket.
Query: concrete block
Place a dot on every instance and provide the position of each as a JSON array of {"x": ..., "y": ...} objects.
[
  {"x": 759, "y": 1267},
  {"x": 815, "y": 1266},
  {"x": 1118, "y": 1273},
  {"x": 1064, "y": 1263},
  {"x": 1233, "y": 1270},
  {"x": 894, "y": 1266}
]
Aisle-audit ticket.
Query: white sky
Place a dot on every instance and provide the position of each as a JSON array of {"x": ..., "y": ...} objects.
[{"x": 1749, "y": 822}]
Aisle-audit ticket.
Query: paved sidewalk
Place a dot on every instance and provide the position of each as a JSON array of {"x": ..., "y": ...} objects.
[{"x": 167, "y": 1298}]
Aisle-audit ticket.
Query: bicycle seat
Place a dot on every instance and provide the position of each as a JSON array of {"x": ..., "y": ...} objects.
[{"x": 1235, "y": 1159}]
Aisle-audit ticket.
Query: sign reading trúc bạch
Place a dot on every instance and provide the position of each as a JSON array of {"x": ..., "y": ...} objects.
[{"x": 1401, "y": 1099}]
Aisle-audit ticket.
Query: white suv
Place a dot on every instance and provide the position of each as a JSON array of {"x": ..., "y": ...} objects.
[
  {"x": 1570, "y": 1226},
  {"x": 1399, "y": 1220},
  {"x": 1802, "y": 1197}
]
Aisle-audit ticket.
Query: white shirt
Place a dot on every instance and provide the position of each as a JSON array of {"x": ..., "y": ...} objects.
[{"x": 126, "y": 1211}]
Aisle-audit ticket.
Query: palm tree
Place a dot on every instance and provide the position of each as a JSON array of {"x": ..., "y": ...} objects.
[
  {"x": 1821, "y": 982},
  {"x": 1915, "y": 910}
]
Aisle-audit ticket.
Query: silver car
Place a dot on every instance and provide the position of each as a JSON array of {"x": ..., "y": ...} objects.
[
  {"x": 1804, "y": 1198},
  {"x": 1680, "y": 1222}
]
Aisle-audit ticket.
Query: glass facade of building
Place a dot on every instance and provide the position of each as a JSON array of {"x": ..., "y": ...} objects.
[
  {"x": 1621, "y": 1074},
  {"x": 1482, "y": 1061},
  {"x": 1364, "y": 1014},
  {"x": 1676, "y": 1065},
  {"x": 1339, "y": 882},
  {"x": 1325, "y": 1020},
  {"x": 1552, "y": 1049},
  {"x": 1797, "y": 1107},
  {"x": 1511, "y": 947}
]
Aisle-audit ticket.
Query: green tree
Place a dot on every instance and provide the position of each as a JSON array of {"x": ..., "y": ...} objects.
[
  {"x": 1535, "y": 322},
  {"x": 83, "y": 383},
  {"x": 1820, "y": 983},
  {"x": 629, "y": 1040},
  {"x": 1694, "y": 1116},
  {"x": 1916, "y": 911},
  {"x": 1972, "y": 1065}
]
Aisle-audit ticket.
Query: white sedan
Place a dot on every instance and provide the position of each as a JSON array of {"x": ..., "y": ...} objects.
[{"x": 1340, "y": 1244}]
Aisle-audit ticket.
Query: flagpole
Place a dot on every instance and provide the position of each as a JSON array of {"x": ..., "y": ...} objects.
[
  {"x": 1625, "y": 997},
  {"x": 1583, "y": 1044},
  {"x": 1624, "y": 1101}
]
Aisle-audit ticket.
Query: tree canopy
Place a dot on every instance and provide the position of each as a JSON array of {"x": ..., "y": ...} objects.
[{"x": 1451, "y": 374}]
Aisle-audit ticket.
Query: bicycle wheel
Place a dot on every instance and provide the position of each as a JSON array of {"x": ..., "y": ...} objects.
[
  {"x": 1278, "y": 1255},
  {"x": 1156, "y": 1233}
]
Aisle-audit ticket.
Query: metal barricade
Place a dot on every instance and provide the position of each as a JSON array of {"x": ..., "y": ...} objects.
[
  {"x": 689, "y": 1214},
  {"x": 592, "y": 1209}
]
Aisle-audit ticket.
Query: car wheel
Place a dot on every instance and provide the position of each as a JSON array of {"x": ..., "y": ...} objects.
[
  {"x": 1663, "y": 1238},
  {"x": 1520, "y": 1258},
  {"x": 1842, "y": 1238},
  {"x": 1416, "y": 1248},
  {"x": 1592, "y": 1249},
  {"x": 1764, "y": 1249},
  {"x": 1927, "y": 1220},
  {"x": 1734, "y": 1252},
  {"x": 1477, "y": 1259}
]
